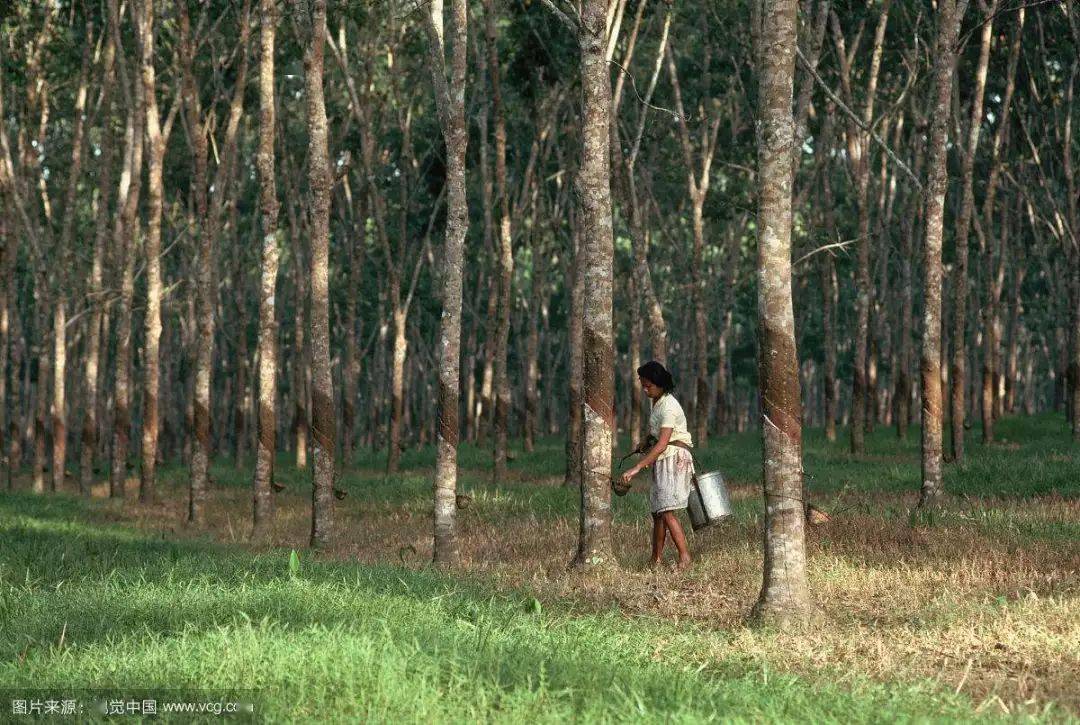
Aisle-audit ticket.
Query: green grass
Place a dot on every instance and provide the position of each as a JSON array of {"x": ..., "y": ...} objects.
[
  {"x": 90, "y": 604},
  {"x": 338, "y": 642}
]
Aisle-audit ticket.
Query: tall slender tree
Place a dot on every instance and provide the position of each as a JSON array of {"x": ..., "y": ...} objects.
[
  {"x": 450, "y": 101},
  {"x": 157, "y": 138},
  {"x": 784, "y": 592},
  {"x": 949, "y": 13},
  {"x": 210, "y": 210},
  {"x": 266, "y": 420},
  {"x": 958, "y": 375},
  {"x": 91, "y": 421},
  {"x": 504, "y": 254},
  {"x": 311, "y": 17},
  {"x": 125, "y": 232},
  {"x": 598, "y": 353},
  {"x": 858, "y": 152}
]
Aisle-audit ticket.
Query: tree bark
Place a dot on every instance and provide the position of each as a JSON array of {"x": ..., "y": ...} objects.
[
  {"x": 949, "y": 13},
  {"x": 60, "y": 301},
  {"x": 8, "y": 250},
  {"x": 124, "y": 238},
  {"x": 450, "y": 100},
  {"x": 209, "y": 213},
  {"x": 41, "y": 392},
  {"x": 323, "y": 434},
  {"x": 829, "y": 289},
  {"x": 575, "y": 337},
  {"x": 90, "y": 432},
  {"x": 594, "y": 196},
  {"x": 505, "y": 256},
  {"x": 858, "y": 148},
  {"x": 262, "y": 501},
  {"x": 155, "y": 155},
  {"x": 963, "y": 225},
  {"x": 784, "y": 593},
  {"x": 532, "y": 339}
]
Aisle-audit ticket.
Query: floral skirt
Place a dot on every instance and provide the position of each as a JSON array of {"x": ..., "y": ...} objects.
[{"x": 672, "y": 480}]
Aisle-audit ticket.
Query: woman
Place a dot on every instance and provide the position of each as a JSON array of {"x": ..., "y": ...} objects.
[{"x": 674, "y": 469}]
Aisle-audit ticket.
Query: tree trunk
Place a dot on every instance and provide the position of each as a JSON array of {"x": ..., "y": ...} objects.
[
  {"x": 486, "y": 406},
  {"x": 450, "y": 97},
  {"x": 505, "y": 254},
  {"x": 155, "y": 154},
  {"x": 8, "y": 250},
  {"x": 784, "y": 593},
  {"x": 575, "y": 337},
  {"x": 41, "y": 392},
  {"x": 858, "y": 147},
  {"x": 633, "y": 353},
  {"x": 59, "y": 406},
  {"x": 397, "y": 390},
  {"x": 948, "y": 17},
  {"x": 903, "y": 378},
  {"x": 829, "y": 292},
  {"x": 598, "y": 389},
  {"x": 262, "y": 501},
  {"x": 963, "y": 225},
  {"x": 352, "y": 365},
  {"x": 90, "y": 432},
  {"x": 124, "y": 238},
  {"x": 323, "y": 434},
  {"x": 209, "y": 216},
  {"x": 532, "y": 343},
  {"x": 300, "y": 348}
]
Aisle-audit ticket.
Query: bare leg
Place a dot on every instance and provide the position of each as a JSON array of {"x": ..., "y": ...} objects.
[
  {"x": 671, "y": 523},
  {"x": 659, "y": 533}
]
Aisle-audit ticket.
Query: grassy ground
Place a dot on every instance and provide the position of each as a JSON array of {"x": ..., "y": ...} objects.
[{"x": 971, "y": 614}]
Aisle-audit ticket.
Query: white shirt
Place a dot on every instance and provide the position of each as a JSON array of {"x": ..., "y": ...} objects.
[{"x": 667, "y": 413}]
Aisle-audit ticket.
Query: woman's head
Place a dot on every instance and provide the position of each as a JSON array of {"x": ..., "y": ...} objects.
[{"x": 655, "y": 379}]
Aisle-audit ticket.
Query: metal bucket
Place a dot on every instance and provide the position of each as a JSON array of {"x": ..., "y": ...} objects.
[{"x": 709, "y": 501}]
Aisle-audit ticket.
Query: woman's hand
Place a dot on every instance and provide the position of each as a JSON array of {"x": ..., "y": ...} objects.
[{"x": 628, "y": 475}]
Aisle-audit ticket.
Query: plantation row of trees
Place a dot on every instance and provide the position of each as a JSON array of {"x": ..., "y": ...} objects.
[{"x": 236, "y": 228}]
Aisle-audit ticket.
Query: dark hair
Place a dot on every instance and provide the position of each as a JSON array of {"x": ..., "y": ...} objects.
[{"x": 658, "y": 375}]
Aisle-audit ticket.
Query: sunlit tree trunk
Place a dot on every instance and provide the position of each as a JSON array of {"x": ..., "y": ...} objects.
[
  {"x": 450, "y": 100},
  {"x": 156, "y": 140},
  {"x": 266, "y": 420},
  {"x": 594, "y": 196},
  {"x": 784, "y": 592}
]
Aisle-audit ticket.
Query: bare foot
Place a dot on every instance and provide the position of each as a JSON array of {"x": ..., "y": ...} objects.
[
  {"x": 655, "y": 564},
  {"x": 684, "y": 562}
]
